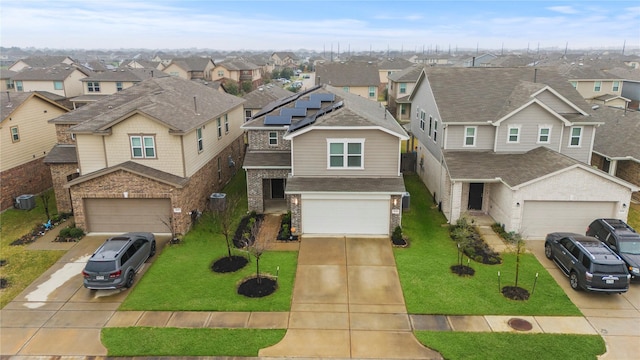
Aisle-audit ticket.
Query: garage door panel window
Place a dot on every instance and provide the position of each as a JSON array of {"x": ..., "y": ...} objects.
[
  {"x": 143, "y": 146},
  {"x": 345, "y": 153}
]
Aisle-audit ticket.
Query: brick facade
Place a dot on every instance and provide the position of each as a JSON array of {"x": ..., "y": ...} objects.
[
  {"x": 259, "y": 140},
  {"x": 61, "y": 174},
  {"x": 63, "y": 135},
  {"x": 194, "y": 196},
  {"x": 255, "y": 190},
  {"x": 630, "y": 171},
  {"x": 30, "y": 178}
]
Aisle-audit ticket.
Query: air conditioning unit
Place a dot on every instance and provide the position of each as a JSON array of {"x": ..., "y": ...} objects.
[{"x": 26, "y": 202}]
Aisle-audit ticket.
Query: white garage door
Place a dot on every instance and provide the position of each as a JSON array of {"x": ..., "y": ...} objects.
[
  {"x": 123, "y": 215},
  {"x": 543, "y": 217},
  {"x": 346, "y": 216}
]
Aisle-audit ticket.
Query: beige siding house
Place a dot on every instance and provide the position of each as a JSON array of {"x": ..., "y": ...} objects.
[
  {"x": 356, "y": 78},
  {"x": 26, "y": 138},
  {"x": 148, "y": 155},
  {"x": 41, "y": 62},
  {"x": 63, "y": 80},
  {"x": 400, "y": 86},
  {"x": 239, "y": 71},
  {"x": 192, "y": 68},
  {"x": 513, "y": 143},
  {"x": 331, "y": 158}
]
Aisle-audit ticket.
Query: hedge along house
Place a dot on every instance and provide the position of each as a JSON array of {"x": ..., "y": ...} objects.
[
  {"x": 147, "y": 156},
  {"x": 330, "y": 157}
]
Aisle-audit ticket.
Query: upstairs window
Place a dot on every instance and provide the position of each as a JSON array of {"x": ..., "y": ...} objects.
[
  {"x": 15, "y": 134},
  {"x": 93, "y": 86},
  {"x": 219, "y": 126},
  {"x": 616, "y": 86},
  {"x": 345, "y": 153},
  {"x": 576, "y": 136},
  {"x": 143, "y": 147},
  {"x": 435, "y": 130},
  {"x": 345, "y": 88},
  {"x": 247, "y": 115},
  {"x": 199, "y": 139},
  {"x": 422, "y": 116},
  {"x": 372, "y": 91},
  {"x": 220, "y": 73},
  {"x": 574, "y": 84},
  {"x": 119, "y": 86},
  {"x": 403, "y": 88},
  {"x": 544, "y": 134},
  {"x": 430, "y": 126},
  {"x": 273, "y": 138},
  {"x": 57, "y": 85},
  {"x": 19, "y": 86},
  {"x": 513, "y": 134},
  {"x": 403, "y": 109},
  {"x": 470, "y": 135},
  {"x": 597, "y": 86},
  {"x": 226, "y": 123}
]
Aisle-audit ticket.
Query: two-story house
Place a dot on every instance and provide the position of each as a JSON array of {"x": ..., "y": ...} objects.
[
  {"x": 616, "y": 149},
  {"x": 391, "y": 66},
  {"x": 332, "y": 158},
  {"x": 6, "y": 80},
  {"x": 239, "y": 71},
  {"x": 41, "y": 62},
  {"x": 191, "y": 68},
  {"x": 26, "y": 137},
  {"x": 513, "y": 143},
  {"x": 284, "y": 59},
  {"x": 146, "y": 156},
  {"x": 356, "y": 78},
  {"x": 100, "y": 85},
  {"x": 600, "y": 87},
  {"x": 400, "y": 86},
  {"x": 63, "y": 80},
  {"x": 261, "y": 97}
]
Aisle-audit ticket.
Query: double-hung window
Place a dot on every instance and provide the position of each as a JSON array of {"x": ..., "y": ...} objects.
[
  {"x": 422, "y": 116},
  {"x": 345, "y": 88},
  {"x": 513, "y": 135},
  {"x": 219, "y": 125},
  {"x": 93, "y": 86},
  {"x": 15, "y": 134},
  {"x": 597, "y": 86},
  {"x": 143, "y": 147},
  {"x": 226, "y": 123},
  {"x": 345, "y": 153},
  {"x": 544, "y": 134},
  {"x": 19, "y": 86},
  {"x": 435, "y": 130},
  {"x": 273, "y": 138},
  {"x": 576, "y": 136},
  {"x": 57, "y": 85},
  {"x": 616, "y": 86},
  {"x": 372, "y": 91},
  {"x": 403, "y": 88},
  {"x": 470, "y": 135},
  {"x": 430, "y": 126},
  {"x": 199, "y": 139},
  {"x": 119, "y": 86}
]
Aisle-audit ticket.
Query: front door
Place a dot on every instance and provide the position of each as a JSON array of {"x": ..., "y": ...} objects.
[
  {"x": 277, "y": 188},
  {"x": 475, "y": 196}
]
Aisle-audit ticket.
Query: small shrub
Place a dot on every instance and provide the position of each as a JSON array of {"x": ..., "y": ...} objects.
[
  {"x": 285, "y": 230},
  {"x": 76, "y": 233},
  {"x": 66, "y": 232}
]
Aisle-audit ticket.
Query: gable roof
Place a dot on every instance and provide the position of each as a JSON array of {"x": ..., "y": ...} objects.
[
  {"x": 53, "y": 73},
  {"x": 113, "y": 75},
  {"x": 13, "y": 100},
  {"x": 410, "y": 74},
  {"x": 263, "y": 95},
  {"x": 44, "y": 61},
  {"x": 487, "y": 94},
  {"x": 237, "y": 64},
  {"x": 134, "y": 168},
  {"x": 513, "y": 169},
  {"x": 348, "y": 74},
  {"x": 169, "y": 100},
  {"x": 619, "y": 137},
  {"x": 192, "y": 63},
  {"x": 395, "y": 64}
]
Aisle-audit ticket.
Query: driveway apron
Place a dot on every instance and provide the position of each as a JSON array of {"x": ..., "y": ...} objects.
[{"x": 348, "y": 303}]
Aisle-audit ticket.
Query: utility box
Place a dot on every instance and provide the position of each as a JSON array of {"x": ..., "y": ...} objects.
[
  {"x": 26, "y": 202},
  {"x": 406, "y": 199},
  {"x": 218, "y": 201}
]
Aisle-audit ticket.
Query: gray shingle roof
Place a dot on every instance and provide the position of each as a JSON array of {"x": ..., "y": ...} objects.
[
  {"x": 395, "y": 64},
  {"x": 62, "y": 154},
  {"x": 259, "y": 98},
  {"x": 237, "y": 64},
  {"x": 44, "y": 61},
  {"x": 12, "y": 100},
  {"x": 192, "y": 63},
  {"x": 353, "y": 185},
  {"x": 135, "y": 168},
  {"x": 262, "y": 159},
  {"x": 348, "y": 74},
  {"x": 168, "y": 99},
  {"x": 114, "y": 75},
  {"x": 52, "y": 73},
  {"x": 619, "y": 136},
  {"x": 486, "y": 94},
  {"x": 7, "y": 74},
  {"x": 409, "y": 74},
  {"x": 513, "y": 169}
]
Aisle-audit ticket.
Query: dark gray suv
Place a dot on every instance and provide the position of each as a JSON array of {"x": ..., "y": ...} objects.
[
  {"x": 115, "y": 263},
  {"x": 588, "y": 262},
  {"x": 622, "y": 239}
]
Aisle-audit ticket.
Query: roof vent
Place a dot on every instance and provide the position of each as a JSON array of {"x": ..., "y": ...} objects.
[{"x": 595, "y": 107}]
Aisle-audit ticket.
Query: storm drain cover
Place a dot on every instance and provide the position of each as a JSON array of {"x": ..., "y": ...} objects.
[{"x": 520, "y": 324}]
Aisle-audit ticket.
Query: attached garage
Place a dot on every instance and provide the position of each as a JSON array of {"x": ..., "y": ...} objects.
[
  {"x": 542, "y": 217},
  {"x": 335, "y": 214},
  {"x": 123, "y": 215}
]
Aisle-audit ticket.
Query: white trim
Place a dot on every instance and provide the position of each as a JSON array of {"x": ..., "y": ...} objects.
[
  {"x": 473, "y": 137},
  {"x": 345, "y": 153},
  {"x": 590, "y": 169},
  {"x": 509, "y": 128},
  {"x": 550, "y": 89},
  {"x": 540, "y": 128},
  {"x": 579, "y": 138},
  {"x": 534, "y": 101},
  {"x": 269, "y": 138},
  {"x": 401, "y": 136}
]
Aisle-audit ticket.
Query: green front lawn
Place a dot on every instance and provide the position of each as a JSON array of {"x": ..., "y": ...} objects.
[
  {"x": 512, "y": 346},
  {"x": 23, "y": 266},
  {"x": 144, "y": 341},
  {"x": 430, "y": 287},
  {"x": 181, "y": 278},
  {"x": 634, "y": 216}
]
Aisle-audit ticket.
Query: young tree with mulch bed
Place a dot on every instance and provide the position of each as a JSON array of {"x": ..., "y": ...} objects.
[
  {"x": 462, "y": 233},
  {"x": 257, "y": 286},
  {"x": 225, "y": 217},
  {"x": 515, "y": 292}
]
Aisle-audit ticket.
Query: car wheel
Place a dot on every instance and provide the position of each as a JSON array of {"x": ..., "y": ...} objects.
[
  {"x": 573, "y": 281},
  {"x": 153, "y": 249},
  {"x": 547, "y": 251},
  {"x": 129, "y": 282}
]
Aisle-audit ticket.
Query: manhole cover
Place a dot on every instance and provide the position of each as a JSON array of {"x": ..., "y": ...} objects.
[{"x": 520, "y": 324}]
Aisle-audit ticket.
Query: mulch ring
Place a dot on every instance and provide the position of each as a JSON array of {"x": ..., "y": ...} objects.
[
  {"x": 229, "y": 264},
  {"x": 462, "y": 270},
  {"x": 258, "y": 287},
  {"x": 515, "y": 293}
]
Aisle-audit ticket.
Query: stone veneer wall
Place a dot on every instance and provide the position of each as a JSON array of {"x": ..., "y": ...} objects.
[
  {"x": 296, "y": 216},
  {"x": 194, "y": 196},
  {"x": 396, "y": 219},
  {"x": 255, "y": 191},
  {"x": 30, "y": 178},
  {"x": 259, "y": 140},
  {"x": 63, "y": 135},
  {"x": 59, "y": 174}
]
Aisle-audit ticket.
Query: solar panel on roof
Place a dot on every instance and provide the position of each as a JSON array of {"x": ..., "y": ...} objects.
[
  {"x": 293, "y": 112},
  {"x": 311, "y": 119},
  {"x": 308, "y": 104},
  {"x": 322, "y": 97},
  {"x": 277, "y": 120}
]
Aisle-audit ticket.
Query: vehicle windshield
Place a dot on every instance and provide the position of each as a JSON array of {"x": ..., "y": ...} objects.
[
  {"x": 630, "y": 246},
  {"x": 100, "y": 266}
]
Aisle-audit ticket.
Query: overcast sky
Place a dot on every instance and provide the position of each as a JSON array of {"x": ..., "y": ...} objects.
[{"x": 317, "y": 25}]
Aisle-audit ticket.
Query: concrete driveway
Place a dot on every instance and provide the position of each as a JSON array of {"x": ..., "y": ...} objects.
[
  {"x": 56, "y": 315},
  {"x": 348, "y": 303},
  {"x": 615, "y": 317}
]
